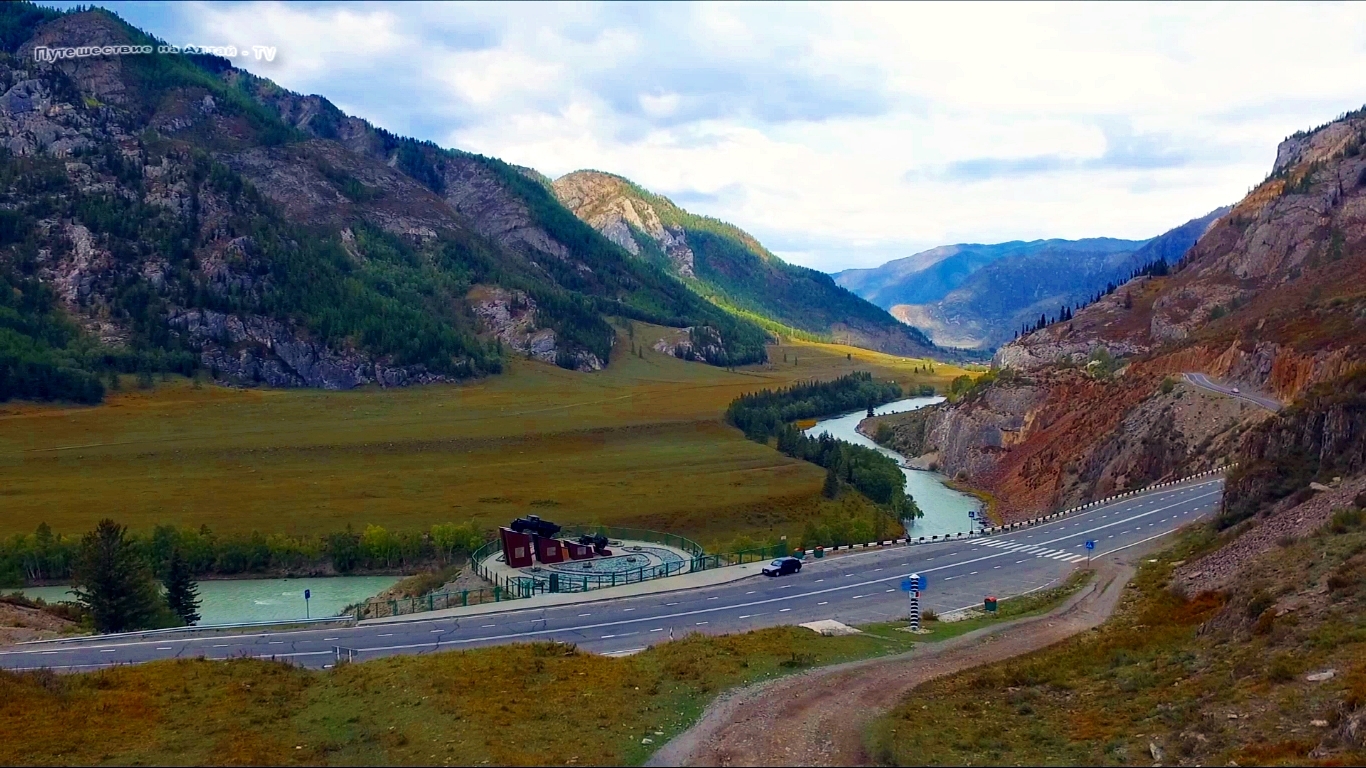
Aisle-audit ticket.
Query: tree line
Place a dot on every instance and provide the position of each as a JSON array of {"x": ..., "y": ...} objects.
[
  {"x": 1156, "y": 268},
  {"x": 768, "y": 414},
  {"x": 45, "y": 556}
]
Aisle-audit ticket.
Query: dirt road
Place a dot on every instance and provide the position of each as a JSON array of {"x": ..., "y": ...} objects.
[{"x": 818, "y": 718}]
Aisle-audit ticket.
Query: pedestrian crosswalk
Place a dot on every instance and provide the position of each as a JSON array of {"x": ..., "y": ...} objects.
[{"x": 1032, "y": 549}]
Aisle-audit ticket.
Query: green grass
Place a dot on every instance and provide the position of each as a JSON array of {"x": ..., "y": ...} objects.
[
  {"x": 1169, "y": 671},
  {"x": 534, "y": 704},
  {"x": 640, "y": 444}
]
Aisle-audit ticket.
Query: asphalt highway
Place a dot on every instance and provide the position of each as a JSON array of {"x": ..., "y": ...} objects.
[
  {"x": 855, "y": 588},
  {"x": 1204, "y": 382}
]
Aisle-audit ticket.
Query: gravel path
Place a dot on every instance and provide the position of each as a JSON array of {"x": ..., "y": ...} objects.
[{"x": 818, "y": 718}]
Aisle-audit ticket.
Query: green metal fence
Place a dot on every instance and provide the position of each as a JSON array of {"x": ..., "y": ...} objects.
[
  {"x": 434, "y": 601},
  {"x": 516, "y": 587}
]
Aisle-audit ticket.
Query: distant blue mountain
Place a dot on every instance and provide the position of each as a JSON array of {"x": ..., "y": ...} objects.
[
  {"x": 977, "y": 296},
  {"x": 930, "y": 275}
]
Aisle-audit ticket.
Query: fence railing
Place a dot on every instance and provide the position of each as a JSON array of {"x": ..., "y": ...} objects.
[
  {"x": 433, "y": 601},
  {"x": 507, "y": 588},
  {"x": 635, "y": 534}
]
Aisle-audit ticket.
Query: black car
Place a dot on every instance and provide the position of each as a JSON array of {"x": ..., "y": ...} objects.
[{"x": 782, "y": 566}]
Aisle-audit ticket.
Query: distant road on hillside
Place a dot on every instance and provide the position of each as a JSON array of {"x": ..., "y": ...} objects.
[{"x": 1202, "y": 381}]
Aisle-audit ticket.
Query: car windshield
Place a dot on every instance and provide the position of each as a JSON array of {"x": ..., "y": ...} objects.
[{"x": 776, "y": 562}]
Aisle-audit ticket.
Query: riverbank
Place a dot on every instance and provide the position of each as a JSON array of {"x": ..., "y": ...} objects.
[
  {"x": 945, "y": 508},
  {"x": 230, "y": 601}
]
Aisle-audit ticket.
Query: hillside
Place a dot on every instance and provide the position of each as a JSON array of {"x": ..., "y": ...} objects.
[
  {"x": 166, "y": 213},
  {"x": 931, "y": 275},
  {"x": 1271, "y": 298},
  {"x": 979, "y": 296},
  {"x": 729, "y": 267},
  {"x": 991, "y": 305}
]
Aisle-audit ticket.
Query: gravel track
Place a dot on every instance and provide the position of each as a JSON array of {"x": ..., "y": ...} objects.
[{"x": 818, "y": 718}]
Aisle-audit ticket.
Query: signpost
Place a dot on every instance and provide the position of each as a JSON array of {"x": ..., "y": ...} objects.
[
  {"x": 308, "y": 593},
  {"x": 912, "y": 585},
  {"x": 1090, "y": 545}
]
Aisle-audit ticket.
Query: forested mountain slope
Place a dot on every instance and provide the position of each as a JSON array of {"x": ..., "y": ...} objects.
[
  {"x": 172, "y": 213},
  {"x": 931, "y": 275},
  {"x": 728, "y": 266},
  {"x": 991, "y": 304}
]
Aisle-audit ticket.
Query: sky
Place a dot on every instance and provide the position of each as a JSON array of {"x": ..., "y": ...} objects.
[{"x": 840, "y": 135}]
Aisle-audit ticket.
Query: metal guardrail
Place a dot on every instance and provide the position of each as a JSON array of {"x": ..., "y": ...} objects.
[{"x": 995, "y": 529}]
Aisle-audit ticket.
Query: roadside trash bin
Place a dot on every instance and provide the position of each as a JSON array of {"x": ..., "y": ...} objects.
[
  {"x": 990, "y": 604},
  {"x": 820, "y": 552}
]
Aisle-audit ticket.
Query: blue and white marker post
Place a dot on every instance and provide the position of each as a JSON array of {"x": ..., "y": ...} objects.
[
  {"x": 307, "y": 594},
  {"x": 912, "y": 585},
  {"x": 1090, "y": 545}
]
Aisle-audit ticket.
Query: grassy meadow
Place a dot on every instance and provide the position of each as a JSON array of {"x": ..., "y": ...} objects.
[
  {"x": 639, "y": 444},
  {"x": 529, "y": 704},
  {"x": 1211, "y": 679}
]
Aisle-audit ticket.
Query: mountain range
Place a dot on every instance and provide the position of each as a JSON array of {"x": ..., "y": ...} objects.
[
  {"x": 979, "y": 296},
  {"x": 730, "y": 267},
  {"x": 175, "y": 213},
  {"x": 1270, "y": 299}
]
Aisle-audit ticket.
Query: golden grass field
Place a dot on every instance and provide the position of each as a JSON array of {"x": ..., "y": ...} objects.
[
  {"x": 640, "y": 444},
  {"x": 539, "y": 704}
]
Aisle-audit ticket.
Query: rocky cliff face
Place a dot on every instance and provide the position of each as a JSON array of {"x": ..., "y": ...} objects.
[
  {"x": 1025, "y": 440},
  {"x": 610, "y": 205},
  {"x": 1272, "y": 297},
  {"x": 511, "y": 316},
  {"x": 1320, "y": 438},
  {"x": 180, "y": 210}
]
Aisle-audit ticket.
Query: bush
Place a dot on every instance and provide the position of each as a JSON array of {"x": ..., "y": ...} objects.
[{"x": 1345, "y": 520}]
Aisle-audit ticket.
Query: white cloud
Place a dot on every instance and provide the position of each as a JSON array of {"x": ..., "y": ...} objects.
[{"x": 841, "y": 134}]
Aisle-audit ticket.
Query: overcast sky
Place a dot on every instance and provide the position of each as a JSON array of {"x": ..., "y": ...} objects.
[{"x": 841, "y": 135}]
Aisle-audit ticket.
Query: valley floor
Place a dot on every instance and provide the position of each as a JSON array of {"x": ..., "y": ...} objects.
[{"x": 640, "y": 444}]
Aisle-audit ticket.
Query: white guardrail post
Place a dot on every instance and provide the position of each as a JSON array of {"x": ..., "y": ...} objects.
[{"x": 908, "y": 541}]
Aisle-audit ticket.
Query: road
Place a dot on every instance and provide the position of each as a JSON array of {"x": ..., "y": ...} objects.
[
  {"x": 854, "y": 588},
  {"x": 1204, "y": 382}
]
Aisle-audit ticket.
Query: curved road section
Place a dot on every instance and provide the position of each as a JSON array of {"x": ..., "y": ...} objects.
[
  {"x": 1204, "y": 382},
  {"x": 854, "y": 589}
]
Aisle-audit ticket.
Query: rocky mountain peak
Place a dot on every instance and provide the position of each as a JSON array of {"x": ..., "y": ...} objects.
[{"x": 623, "y": 214}]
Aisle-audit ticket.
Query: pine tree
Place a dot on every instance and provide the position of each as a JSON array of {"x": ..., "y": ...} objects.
[
  {"x": 182, "y": 593},
  {"x": 112, "y": 580},
  {"x": 831, "y": 489}
]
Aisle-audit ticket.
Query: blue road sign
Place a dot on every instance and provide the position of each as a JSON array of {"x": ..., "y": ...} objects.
[
  {"x": 1090, "y": 543},
  {"x": 914, "y": 582},
  {"x": 308, "y": 593}
]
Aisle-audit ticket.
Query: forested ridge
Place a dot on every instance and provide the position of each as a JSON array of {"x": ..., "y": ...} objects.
[
  {"x": 734, "y": 270},
  {"x": 146, "y": 214}
]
